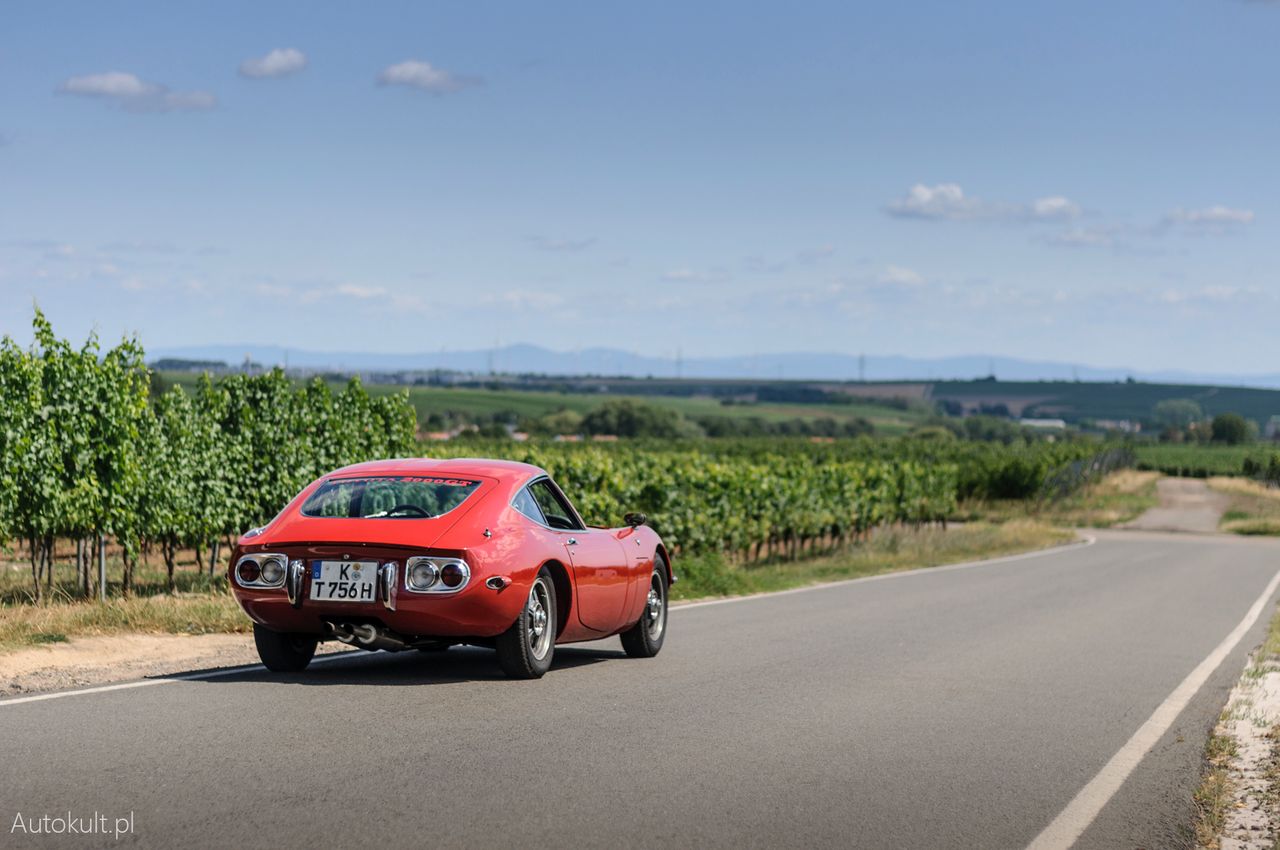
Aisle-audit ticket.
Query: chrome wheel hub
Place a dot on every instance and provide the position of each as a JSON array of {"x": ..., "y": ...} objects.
[
  {"x": 655, "y": 608},
  {"x": 537, "y": 619}
]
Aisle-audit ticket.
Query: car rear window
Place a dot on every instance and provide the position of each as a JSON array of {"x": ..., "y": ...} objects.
[{"x": 388, "y": 497}]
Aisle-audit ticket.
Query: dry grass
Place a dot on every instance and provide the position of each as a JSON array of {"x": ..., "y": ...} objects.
[
  {"x": 889, "y": 550},
  {"x": 1216, "y": 791},
  {"x": 1119, "y": 497},
  {"x": 1254, "y": 508},
  {"x": 201, "y": 606},
  {"x": 28, "y": 625}
]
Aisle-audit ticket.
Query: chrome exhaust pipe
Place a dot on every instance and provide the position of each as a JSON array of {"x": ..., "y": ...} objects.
[
  {"x": 389, "y": 642},
  {"x": 365, "y": 633},
  {"x": 343, "y": 632}
]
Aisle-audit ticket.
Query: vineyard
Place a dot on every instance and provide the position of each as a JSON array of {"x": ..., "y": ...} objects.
[
  {"x": 1199, "y": 461},
  {"x": 88, "y": 453}
]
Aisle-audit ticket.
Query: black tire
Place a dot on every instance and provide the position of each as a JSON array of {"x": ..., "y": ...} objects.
[
  {"x": 525, "y": 650},
  {"x": 644, "y": 639},
  {"x": 281, "y": 652}
]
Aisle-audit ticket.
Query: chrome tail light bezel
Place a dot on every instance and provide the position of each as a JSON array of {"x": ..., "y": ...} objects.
[
  {"x": 260, "y": 558},
  {"x": 437, "y": 587}
]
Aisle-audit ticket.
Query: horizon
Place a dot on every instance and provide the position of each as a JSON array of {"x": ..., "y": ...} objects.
[{"x": 748, "y": 367}]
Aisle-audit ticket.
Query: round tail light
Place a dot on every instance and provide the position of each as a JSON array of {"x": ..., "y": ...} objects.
[
  {"x": 272, "y": 571},
  {"x": 423, "y": 575},
  {"x": 248, "y": 571},
  {"x": 453, "y": 575}
]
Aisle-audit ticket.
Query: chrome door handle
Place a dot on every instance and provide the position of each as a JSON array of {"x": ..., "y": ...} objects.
[{"x": 573, "y": 541}]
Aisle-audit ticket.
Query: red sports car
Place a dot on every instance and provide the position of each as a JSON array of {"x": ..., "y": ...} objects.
[{"x": 424, "y": 554}]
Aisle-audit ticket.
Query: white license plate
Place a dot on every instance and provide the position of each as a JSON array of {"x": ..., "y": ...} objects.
[{"x": 344, "y": 581}]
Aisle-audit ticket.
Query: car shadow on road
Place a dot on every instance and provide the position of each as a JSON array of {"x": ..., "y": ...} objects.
[{"x": 459, "y": 664}]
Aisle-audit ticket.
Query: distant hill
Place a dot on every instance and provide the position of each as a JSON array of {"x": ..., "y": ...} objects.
[{"x": 616, "y": 362}]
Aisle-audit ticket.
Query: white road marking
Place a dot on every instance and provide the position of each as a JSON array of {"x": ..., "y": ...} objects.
[
  {"x": 1087, "y": 540},
  {"x": 164, "y": 680},
  {"x": 1072, "y": 821}
]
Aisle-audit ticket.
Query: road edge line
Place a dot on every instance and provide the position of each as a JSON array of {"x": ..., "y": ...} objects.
[
  {"x": 164, "y": 679},
  {"x": 1084, "y": 541},
  {"x": 1065, "y": 829}
]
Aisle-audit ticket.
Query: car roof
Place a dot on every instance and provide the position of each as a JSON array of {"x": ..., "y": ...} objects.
[{"x": 503, "y": 470}]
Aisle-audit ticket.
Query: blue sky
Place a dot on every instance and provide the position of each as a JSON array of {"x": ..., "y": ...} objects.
[{"x": 1091, "y": 182}]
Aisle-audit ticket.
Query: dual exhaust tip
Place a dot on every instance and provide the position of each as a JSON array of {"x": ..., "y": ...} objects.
[{"x": 366, "y": 635}]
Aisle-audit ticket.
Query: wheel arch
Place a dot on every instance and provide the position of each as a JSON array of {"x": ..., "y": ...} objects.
[
  {"x": 564, "y": 593},
  {"x": 666, "y": 559}
]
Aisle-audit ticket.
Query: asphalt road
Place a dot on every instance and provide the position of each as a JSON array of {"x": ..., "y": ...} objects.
[
  {"x": 943, "y": 708},
  {"x": 1186, "y": 504}
]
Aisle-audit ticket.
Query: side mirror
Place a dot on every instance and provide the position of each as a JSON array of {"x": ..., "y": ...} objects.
[{"x": 634, "y": 519}]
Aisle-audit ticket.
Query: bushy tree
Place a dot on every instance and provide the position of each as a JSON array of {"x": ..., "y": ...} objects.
[
  {"x": 1176, "y": 413},
  {"x": 627, "y": 418},
  {"x": 1231, "y": 428}
]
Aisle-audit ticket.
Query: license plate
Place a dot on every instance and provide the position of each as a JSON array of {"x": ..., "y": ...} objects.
[{"x": 344, "y": 581}]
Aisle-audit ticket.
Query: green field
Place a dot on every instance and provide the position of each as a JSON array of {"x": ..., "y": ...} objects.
[
  {"x": 1197, "y": 461},
  {"x": 472, "y": 403}
]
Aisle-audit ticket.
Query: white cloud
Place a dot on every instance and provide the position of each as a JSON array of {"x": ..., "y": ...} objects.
[
  {"x": 280, "y": 62},
  {"x": 901, "y": 276},
  {"x": 137, "y": 95},
  {"x": 353, "y": 290},
  {"x": 524, "y": 299},
  {"x": 1215, "y": 293},
  {"x": 424, "y": 76},
  {"x": 943, "y": 201},
  {"x": 684, "y": 274},
  {"x": 1215, "y": 217},
  {"x": 1054, "y": 208},
  {"x": 111, "y": 84},
  {"x": 948, "y": 202},
  {"x": 1083, "y": 237},
  {"x": 273, "y": 290}
]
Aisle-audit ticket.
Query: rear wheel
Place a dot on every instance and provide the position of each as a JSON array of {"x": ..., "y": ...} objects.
[
  {"x": 281, "y": 652},
  {"x": 644, "y": 639},
  {"x": 525, "y": 650}
]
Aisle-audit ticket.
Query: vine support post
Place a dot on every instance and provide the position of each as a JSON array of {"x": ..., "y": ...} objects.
[{"x": 102, "y": 567}]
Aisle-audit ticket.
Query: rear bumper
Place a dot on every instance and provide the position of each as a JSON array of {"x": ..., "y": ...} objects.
[{"x": 477, "y": 611}]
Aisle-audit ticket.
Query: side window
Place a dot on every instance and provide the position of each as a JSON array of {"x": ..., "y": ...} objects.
[
  {"x": 557, "y": 513},
  {"x": 524, "y": 503}
]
